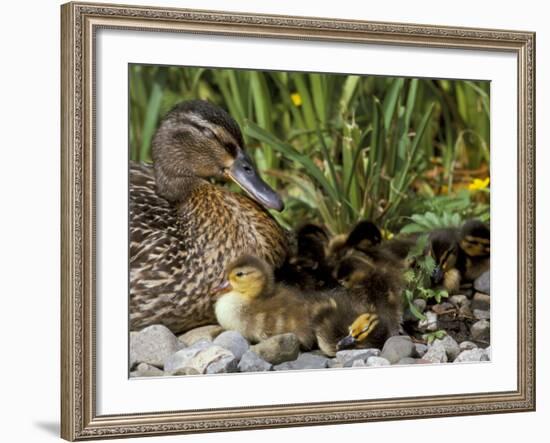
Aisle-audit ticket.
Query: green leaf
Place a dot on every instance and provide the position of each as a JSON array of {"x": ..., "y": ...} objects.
[
  {"x": 391, "y": 100},
  {"x": 258, "y": 133},
  {"x": 414, "y": 311}
]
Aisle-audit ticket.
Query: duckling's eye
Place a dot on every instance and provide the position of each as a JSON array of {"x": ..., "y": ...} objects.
[{"x": 239, "y": 274}]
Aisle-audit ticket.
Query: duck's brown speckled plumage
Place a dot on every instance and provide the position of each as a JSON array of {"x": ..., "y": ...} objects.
[{"x": 179, "y": 249}]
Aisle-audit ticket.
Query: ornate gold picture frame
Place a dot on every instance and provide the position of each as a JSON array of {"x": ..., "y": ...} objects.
[{"x": 80, "y": 24}]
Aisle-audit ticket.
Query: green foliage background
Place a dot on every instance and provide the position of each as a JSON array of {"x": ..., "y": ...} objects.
[{"x": 339, "y": 148}]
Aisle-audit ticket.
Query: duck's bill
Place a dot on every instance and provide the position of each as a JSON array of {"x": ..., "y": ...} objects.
[
  {"x": 222, "y": 288},
  {"x": 437, "y": 275},
  {"x": 347, "y": 342},
  {"x": 246, "y": 176}
]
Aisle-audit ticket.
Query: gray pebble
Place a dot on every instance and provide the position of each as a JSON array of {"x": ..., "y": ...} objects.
[
  {"x": 181, "y": 358},
  {"x": 467, "y": 345},
  {"x": 450, "y": 345},
  {"x": 472, "y": 355},
  {"x": 481, "y": 330},
  {"x": 210, "y": 360},
  {"x": 436, "y": 353},
  {"x": 347, "y": 357},
  {"x": 483, "y": 283},
  {"x": 482, "y": 315},
  {"x": 251, "y": 362},
  {"x": 208, "y": 332},
  {"x": 429, "y": 323},
  {"x": 278, "y": 349},
  {"x": 421, "y": 349},
  {"x": 398, "y": 347},
  {"x": 459, "y": 300},
  {"x": 152, "y": 345},
  {"x": 232, "y": 341},
  {"x": 377, "y": 361},
  {"x": 304, "y": 361},
  {"x": 481, "y": 302},
  {"x": 146, "y": 370}
]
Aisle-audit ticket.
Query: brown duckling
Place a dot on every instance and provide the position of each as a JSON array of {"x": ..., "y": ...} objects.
[
  {"x": 475, "y": 242},
  {"x": 368, "y": 330},
  {"x": 363, "y": 236},
  {"x": 366, "y": 238},
  {"x": 444, "y": 249},
  {"x": 184, "y": 228},
  {"x": 377, "y": 287},
  {"x": 461, "y": 255},
  {"x": 308, "y": 268}
]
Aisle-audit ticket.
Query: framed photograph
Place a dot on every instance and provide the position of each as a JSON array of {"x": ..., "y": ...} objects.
[{"x": 277, "y": 221}]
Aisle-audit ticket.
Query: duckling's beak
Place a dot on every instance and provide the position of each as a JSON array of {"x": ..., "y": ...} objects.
[
  {"x": 437, "y": 275},
  {"x": 222, "y": 288},
  {"x": 247, "y": 177},
  {"x": 347, "y": 342}
]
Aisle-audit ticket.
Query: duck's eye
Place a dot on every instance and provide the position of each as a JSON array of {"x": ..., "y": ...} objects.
[{"x": 239, "y": 274}]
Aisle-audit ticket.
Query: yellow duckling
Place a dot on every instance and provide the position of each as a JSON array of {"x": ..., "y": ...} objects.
[{"x": 250, "y": 302}]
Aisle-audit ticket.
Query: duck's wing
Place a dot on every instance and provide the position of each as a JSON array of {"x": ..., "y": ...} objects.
[{"x": 149, "y": 213}]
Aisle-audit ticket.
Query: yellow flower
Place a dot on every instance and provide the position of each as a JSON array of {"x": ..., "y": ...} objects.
[
  {"x": 296, "y": 99},
  {"x": 478, "y": 184}
]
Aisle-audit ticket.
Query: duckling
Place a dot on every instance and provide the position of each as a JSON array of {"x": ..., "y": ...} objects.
[
  {"x": 184, "y": 228},
  {"x": 362, "y": 237},
  {"x": 475, "y": 242},
  {"x": 449, "y": 260},
  {"x": 366, "y": 237},
  {"x": 368, "y": 330},
  {"x": 378, "y": 288},
  {"x": 308, "y": 267},
  {"x": 250, "y": 302}
]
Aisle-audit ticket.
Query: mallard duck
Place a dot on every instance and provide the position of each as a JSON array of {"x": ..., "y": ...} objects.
[
  {"x": 475, "y": 242},
  {"x": 185, "y": 228}
]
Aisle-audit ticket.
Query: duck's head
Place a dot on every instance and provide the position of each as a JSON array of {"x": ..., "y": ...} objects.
[
  {"x": 248, "y": 276},
  {"x": 443, "y": 246},
  {"x": 475, "y": 239},
  {"x": 199, "y": 139},
  {"x": 359, "y": 331}
]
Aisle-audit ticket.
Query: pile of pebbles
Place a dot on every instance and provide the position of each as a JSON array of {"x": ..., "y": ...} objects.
[
  {"x": 465, "y": 317},
  {"x": 156, "y": 351}
]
